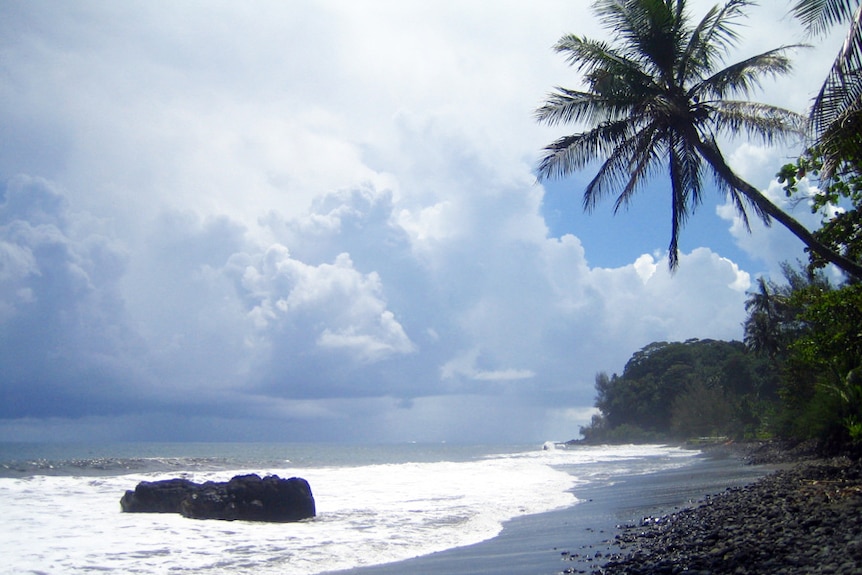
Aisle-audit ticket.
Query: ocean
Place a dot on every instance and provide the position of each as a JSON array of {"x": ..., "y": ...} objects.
[{"x": 376, "y": 504}]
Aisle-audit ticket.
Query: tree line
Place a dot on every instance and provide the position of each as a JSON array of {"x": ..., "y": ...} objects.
[
  {"x": 796, "y": 375},
  {"x": 684, "y": 390}
]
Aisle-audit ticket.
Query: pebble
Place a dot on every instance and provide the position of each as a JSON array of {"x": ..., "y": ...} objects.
[{"x": 805, "y": 519}]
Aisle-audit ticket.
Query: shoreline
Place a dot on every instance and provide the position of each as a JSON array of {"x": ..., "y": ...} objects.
[
  {"x": 580, "y": 538},
  {"x": 804, "y": 518}
]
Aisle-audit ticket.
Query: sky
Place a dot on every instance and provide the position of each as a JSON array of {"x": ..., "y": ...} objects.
[{"x": 320, "y": 221}]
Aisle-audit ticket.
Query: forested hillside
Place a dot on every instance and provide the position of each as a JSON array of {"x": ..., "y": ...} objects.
[
  {"x": 796, "y": 376},
  {"x": 685, "y": 389}
]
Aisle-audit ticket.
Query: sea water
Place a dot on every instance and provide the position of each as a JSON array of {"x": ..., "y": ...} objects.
[{"x": 375, "y": 504}]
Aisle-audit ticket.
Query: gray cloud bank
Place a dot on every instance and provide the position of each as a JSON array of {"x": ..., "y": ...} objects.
[{"x": 306, "y": 221}]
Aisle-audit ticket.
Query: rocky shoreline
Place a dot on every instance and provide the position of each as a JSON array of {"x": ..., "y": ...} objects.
[{"x": 803, "y": 519}]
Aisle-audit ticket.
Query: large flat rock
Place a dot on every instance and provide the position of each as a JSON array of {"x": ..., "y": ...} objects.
[{"x": 244, "y": 497}]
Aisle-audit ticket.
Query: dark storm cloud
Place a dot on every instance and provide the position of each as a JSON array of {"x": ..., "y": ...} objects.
[{"x": 66, "y": 349}]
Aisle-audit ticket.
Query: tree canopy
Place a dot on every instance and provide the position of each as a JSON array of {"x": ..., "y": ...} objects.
[
  {"x": 798, "y": 375},
  {"x": 683, "y": 389}
]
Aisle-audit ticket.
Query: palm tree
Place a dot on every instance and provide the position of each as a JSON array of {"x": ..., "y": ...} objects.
[
  {"x": 836, "y": 115},
  {"x": 658, "y": 95},
  {"x": 768, "y": 317}
]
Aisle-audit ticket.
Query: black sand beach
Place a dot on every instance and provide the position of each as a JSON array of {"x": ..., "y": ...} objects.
[
  {"x": 804, "y": 519},
  {"x": 580, "y": 538}
]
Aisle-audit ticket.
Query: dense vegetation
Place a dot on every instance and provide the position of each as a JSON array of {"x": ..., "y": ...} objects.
[
  {"x": 796, "y": 375},
  {"x": 682, "y": 390}
]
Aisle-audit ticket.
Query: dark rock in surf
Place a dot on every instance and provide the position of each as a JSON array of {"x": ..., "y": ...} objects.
[
  {"x": 245, "y": 497},
  {"x": 250, "y": 498},
  {"x": 158, "y": 496}
]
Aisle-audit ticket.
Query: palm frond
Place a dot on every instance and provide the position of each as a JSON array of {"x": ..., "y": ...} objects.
[
  {"x": 679, "y": 213},
  {"x": 842, "y": 85},
  {"x": 762, "y": 121},
  {"x": 699, "y": 53},
  {"x": 625, "y": 167},
  {"x": 851, "y": 51},
  {"x": 712, "y": 37},
  {"x": 742, "y": 78},
  {"x": 571, "y": 153},
  {"x": 684, "y": 163},
  {"x": 842, "y": 139},
  {"x": 689, "y": 167},
  {"x": 652, "y": 32},
  {"x": 739, "y": 201},
  {"x": 820, "y": 15},
  {"x": 645, "y": 157},
  {"x": 605, "y": 70},
  {"x": 626, "y": 19},
  {"x": 838, "y": 97},
  {"x": 835, "y": 114},
  {"x": 585, "y": 54},
  {"x": 569, "y": 106},
  {"x": 721, "y": 29}
]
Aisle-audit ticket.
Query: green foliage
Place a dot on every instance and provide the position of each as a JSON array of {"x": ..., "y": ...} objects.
[
  {"x": 815, "y": 344},
  {"x": 854, "y": 427},
  {"x": 823, "y": 386},
  {"x": 841, "y": 230},
  {"x": 774, "y": 314},
  {"x": 703, "y": 411},
  {"x": 798, "y": 375},
  {"x": 599, "y": 432},
  {"x": 682, "y": 390},
  {"x": 627, "y": 433},
  {"x": 844, "y": 183},
  {"x": 596, "y": 430},
  {"x": 832, "y": 340}
]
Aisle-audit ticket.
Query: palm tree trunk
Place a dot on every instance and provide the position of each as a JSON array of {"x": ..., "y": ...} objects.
[{"x": 714, "y": 157}]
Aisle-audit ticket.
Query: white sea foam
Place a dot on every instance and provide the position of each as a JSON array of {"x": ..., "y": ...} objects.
[{"x": 366, "y": 515}]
